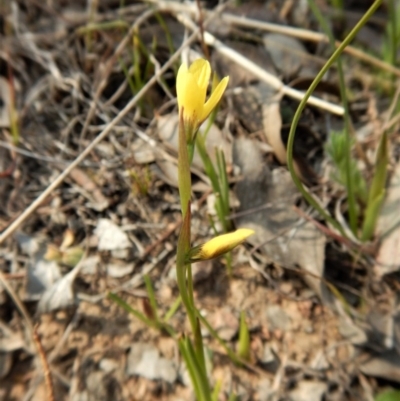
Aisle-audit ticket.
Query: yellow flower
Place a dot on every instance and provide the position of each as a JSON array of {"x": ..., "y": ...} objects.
[
  {"x": 219, "y": 245},
  {"x": 191, "y": 88}
]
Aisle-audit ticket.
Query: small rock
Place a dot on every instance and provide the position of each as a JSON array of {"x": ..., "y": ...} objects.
[
  {"x": 118, "y": 271},
  {"x": 277, "y": 318},
  {"x": 110, "y": 236},
  {"x": 267, "y": 355},
  {"x": 308, "y": 391},
  {"x": 288, "y": 54},
  {"x": 145, "y": 360},
  {"x": 108, "y": 365},
  {"x": 90, "y": 264}
]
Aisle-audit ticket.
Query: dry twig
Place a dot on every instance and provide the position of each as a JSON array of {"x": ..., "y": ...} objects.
[{"x": 46, "y": 370}]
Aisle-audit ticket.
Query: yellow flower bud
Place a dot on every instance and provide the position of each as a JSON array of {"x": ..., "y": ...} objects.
[
  {"x": 191, "y": 88},
  {"x": 219, "y": 245}
]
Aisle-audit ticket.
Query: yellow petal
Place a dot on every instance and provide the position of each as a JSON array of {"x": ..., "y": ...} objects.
[
  {"x": 201, "y": 70},
  {"x": 219, "y": 245},
  {"x": 182, "y": 84},
  {"x": 214, "y": 98},
  {"x": 195, "y": 96},
  {"x": 191, "y": 88}
]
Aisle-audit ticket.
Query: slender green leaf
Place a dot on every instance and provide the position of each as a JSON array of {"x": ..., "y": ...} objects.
[
  {"x": 152, "y": 296},
  {"x": 244, "y": 338},
  {"x": 198, "y": 343},
  {"x": 338, "y": 147},
  {"x": 168, "y": 36},
  {"x": 388, "y": 395},
  {"x": 296, "y": 118},
  {"x": 137, "y": 74},
  {"x": 371, "y": 216},
  {"x": 377, "y": 190},
  {"x": 233, "y": 397},
  {"x": 200, "y": 372},
  {"x": 191, "y": 367},
  {"x": 217, "y": 390},
  {"x": 230, "y": 352},
  {"x": 224, "y": 190},
  {"x": 339, "y": 296},
  {"x": 208, "y": 165},
  {"x": 172, "y": 310},
  {"x": 128, "y": 76},
  {"x": 102, "y": 26},
  {"x": 130, "y": 310},
  {"x": 381, "y": 166}
]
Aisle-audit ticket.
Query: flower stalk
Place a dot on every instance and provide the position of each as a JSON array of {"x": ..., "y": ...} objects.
[{"x": 191, "y": 86}]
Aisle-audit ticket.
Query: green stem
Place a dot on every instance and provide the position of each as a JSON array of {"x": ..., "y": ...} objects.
[
  {"x": 183, "y": 269},
  {"x": 302, "y": 105},
  {"x": 184, "y": 179}
]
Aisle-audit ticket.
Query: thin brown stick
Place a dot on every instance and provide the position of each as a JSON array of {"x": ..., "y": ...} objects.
[
  {"x": 46, "y": 370},
  {"x": 163, "y": 237},
  {"x": 328, "y": 232},
  {"x": 325, "y": 230},
  {"x": 201, "y": 26}
]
